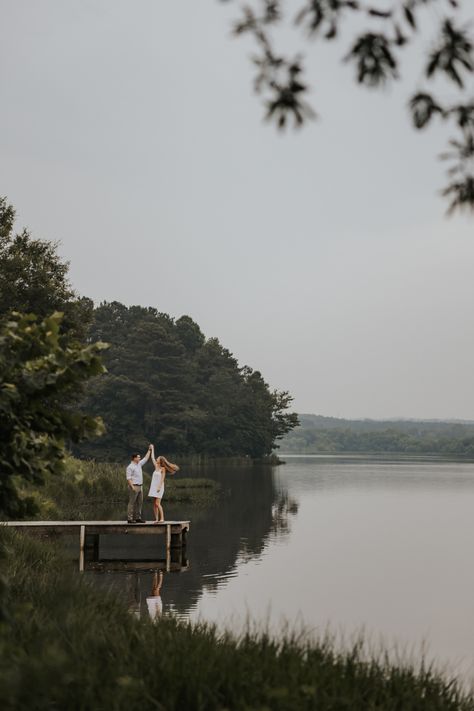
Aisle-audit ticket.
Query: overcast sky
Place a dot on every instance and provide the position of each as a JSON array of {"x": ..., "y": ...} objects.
[{"x": 323, "y": 258}]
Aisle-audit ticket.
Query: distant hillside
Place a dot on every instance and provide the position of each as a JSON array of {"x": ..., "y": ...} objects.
[{"x": 318, "y": 434}]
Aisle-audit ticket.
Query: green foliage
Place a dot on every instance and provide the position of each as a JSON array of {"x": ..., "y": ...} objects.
[
  {"x": 33, "y": 279},
  {"x": 330, "y": 435},
  {"x": 167, "y": 384},
  {"x": 39, "y": 375},
  {"x": 385, "y": 32},
  {"x": 69, "y": 646}
]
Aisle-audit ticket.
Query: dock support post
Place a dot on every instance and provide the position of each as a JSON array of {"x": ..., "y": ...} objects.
[
  {"x": 168, "y": 548},
  {"x": 82, "y": 540}
]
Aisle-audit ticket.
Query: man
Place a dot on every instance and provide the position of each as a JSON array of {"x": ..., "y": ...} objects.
[{"x": 135, "y": 483}]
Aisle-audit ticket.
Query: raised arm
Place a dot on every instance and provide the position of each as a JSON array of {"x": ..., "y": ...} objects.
[
  {"x": 147, "y": 456},
  {"x": 153, "y": 458}
]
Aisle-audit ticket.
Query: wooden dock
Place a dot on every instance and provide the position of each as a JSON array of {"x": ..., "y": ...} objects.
[{"x": 89, "y": 533}]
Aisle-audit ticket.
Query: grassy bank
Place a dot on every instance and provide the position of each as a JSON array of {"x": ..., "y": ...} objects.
[
  {"x": 66, "y": 646},
  {"x": 88, "y": 487}
]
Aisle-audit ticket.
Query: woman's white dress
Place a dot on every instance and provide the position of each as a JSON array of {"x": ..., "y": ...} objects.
[{"x": 155, "y": 483}]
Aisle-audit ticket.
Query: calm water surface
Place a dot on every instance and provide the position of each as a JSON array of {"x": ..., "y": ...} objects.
[{"x": 384, "y": 545}]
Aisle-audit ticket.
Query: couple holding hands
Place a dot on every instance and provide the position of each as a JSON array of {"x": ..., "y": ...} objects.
[{"x": 157, "y": 488}]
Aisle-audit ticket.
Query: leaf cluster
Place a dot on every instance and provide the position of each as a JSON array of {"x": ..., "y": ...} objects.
[
  {"x": 34, "y": 279},
  {"x": 278, "y": 77},
  {"x": 375, "y": 54},
  {"x": 39, "y": 375}
]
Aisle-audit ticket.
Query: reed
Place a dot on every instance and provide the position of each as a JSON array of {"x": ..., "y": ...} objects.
[{"x": 69, "y": 646}]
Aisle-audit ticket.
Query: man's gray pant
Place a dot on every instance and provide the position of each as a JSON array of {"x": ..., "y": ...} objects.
[{"x": 135, "y": 502}]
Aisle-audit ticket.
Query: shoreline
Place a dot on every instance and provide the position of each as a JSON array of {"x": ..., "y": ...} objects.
[
  {"x": 198, "y": 460},
  {"x": 448, "y": 456}
]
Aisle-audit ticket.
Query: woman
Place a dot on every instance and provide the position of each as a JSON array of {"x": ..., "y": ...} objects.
[{"x": 157, "y": 488}]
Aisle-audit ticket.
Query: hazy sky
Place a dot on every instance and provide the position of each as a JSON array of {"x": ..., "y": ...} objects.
[{"x": 323, "y": 258}]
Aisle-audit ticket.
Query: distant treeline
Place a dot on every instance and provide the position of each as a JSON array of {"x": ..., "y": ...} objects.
[{"x": 317, "y": 434}]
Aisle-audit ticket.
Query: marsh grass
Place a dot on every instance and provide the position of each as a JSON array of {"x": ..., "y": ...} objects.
[
  {"x": 68, "y": 646},
  {"x": 90, "y": 488}
]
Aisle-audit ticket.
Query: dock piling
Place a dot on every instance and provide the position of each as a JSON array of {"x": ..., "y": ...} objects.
[{"x": 82, "y": 540}]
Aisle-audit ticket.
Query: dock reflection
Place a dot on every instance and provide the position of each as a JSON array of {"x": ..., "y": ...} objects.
[{"x": 120, "y": 566}]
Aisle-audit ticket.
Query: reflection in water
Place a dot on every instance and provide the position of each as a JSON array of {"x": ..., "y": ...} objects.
[
  {"x": 154, "y": 603},
  {"x": 132, "y": 582},
  {"x": 284, "y": 507},
  {"x": 250, "y": 513},
  {"x": 375, "y": 543}
]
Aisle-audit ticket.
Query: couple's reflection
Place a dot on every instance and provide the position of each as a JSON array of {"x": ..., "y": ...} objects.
[{"x": 154, "y": 602}]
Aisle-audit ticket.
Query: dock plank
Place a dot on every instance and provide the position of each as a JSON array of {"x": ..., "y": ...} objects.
[
  {"x": 92, "y": 523},
  {"x": 99, "y": 527}
]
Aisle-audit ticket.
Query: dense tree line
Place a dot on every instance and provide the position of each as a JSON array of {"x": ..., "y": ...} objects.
[
  {"x": 331, "y": 435},
  {"x": 165, "y": 383},
  {"x": 168, "y": 384},
  {"x": 447, "y": 428}
]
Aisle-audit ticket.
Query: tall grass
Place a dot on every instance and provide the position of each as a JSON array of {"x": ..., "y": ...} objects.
[
  {"x": 68, "y": 646},
  {"x": 90, "y": 488}
]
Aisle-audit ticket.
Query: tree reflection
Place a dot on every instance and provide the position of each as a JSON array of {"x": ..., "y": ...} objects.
[{"x": 284, "y": 508}]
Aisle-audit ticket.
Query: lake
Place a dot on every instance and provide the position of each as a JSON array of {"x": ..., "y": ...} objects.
[{"x": 379, "y": 544}]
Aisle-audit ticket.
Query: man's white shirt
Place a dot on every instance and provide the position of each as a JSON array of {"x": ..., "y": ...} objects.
[{"x": 134, "y": 472}]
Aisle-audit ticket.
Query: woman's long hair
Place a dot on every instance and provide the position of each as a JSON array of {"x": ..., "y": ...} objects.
[{"x": 169, "y": 466}]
